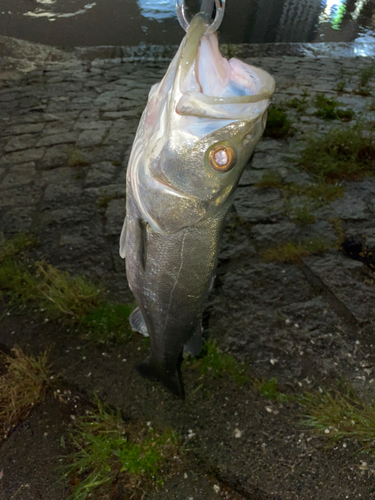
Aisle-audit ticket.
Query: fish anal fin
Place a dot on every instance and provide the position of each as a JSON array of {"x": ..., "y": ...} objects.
[
  {"x": 137, "y": 322},
  {"x": 194, "y": 345},
  {"x": 171, "y": 380}
]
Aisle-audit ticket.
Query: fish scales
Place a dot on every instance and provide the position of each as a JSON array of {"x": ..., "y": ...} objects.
[{"x": 188, "y": 155}]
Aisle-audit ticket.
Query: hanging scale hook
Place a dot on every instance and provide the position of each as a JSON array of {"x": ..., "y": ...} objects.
[{"x": 182, "y": 14}]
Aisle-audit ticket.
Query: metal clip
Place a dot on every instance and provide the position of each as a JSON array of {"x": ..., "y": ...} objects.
[{"x": 182, "y": 17}]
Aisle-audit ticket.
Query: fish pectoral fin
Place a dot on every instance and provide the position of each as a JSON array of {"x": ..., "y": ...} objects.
[
  {"x": 194, "y": 345},
  {"x": 171, "y": 380},
  {"x": 137, "y": 322},
  {"x": 123, "y": 240}
]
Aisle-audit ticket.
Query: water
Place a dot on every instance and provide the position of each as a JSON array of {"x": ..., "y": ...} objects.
[{"x": 69, "y": 23}]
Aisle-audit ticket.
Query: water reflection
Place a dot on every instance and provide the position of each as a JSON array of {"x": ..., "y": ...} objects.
[
  {"x": 153, "y": 9},
  {"x": 51, "y": 15},
  {"x": 132, "y": 22}
]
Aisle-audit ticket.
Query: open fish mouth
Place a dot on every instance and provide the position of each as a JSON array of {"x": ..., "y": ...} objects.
[{"x": 213, "y": 87}]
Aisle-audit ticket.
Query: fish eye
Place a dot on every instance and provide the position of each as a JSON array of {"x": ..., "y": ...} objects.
[{"x": 222, "y": 158}]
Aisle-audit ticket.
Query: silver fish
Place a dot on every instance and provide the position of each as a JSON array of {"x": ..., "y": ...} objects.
[{"x": 199, "y": 128}]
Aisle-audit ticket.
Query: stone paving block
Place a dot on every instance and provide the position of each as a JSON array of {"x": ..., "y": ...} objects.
[
  {"x": 22, "y": 156},
  {"x": 27, "y": 128},
  {"x": 271, "y": 235},
  {"x": 115, "y": 214},
  {"x": 89, "y": 138},
  {"x": 349, "y": 282},
  {"x": 123, "y": 131},
  {"x": 91, "y": 125},
  {"x": 19, "y": 175},
  {"x": 100, "y": 173},
  {"x": 20, "y": 142},
  {"x": 61, "y": 183},
  {"x": 55, "y": 156},
  {"x": 58, "y": 127},
  {"x": 18, "y": 220},
  {"x": 20, "y": 196},
  {"x": 110, "y": 191},
  {"x": 348, "y": 207},
  {"x": 257, "y": 205},
  {"x": 55, "y": 139},
  {"x": 70, "y": 215}
]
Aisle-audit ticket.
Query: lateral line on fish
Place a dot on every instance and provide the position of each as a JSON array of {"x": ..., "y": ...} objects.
[{"x": 178, "y": 275}]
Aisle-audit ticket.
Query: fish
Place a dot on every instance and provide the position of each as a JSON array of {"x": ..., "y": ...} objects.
[{"x": 196, "y": 134}]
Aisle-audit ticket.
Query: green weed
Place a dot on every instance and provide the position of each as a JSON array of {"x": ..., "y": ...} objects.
[
  {"x": 269, "y": 389},
  {"x": 108, "y": 322},
  {"x": 337, "y": 225},
  {"x": 328, "y": 109},
  {"x": 218, "y": 364},
  {"x": 58, "y": 294},
  {"x": 340, "y": 416},
  {"x": 20, "y": 243},
  {"x": 364, "y": 91},
  {"x": 107, "y": 452},
  {"x": 298, "y": 104},
  {"x": 340, "y": 154},
  {"x": 366, "y": 74},
  {"x": 303, "y": 216},
  {"x": 23, "y": 386},
  {"x": 75, "y": 158},
  {"x": 340, "y": 87},
  {"x": 294, "y": 252},
  {"x": 321, "y": 192},
  {"x": 278, "y": 124},
  {"x": 53, "y": 290},
  {"x": 270, "y": 180}
]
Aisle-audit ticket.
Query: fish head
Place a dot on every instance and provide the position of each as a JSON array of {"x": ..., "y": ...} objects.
[{"x": 198, "y": 131}]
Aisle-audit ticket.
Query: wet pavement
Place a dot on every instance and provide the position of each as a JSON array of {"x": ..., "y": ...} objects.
[{"x": 67, "y": 127}]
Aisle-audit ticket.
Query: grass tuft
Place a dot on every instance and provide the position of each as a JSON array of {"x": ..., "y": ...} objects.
[
  {"x": 299, "y": 105},
  {"x": 366, "y": 74},
  {"x": 327, "y": 109},
  {"x": 269, "y": 389},
  {"x": 278, "y": 124},
  {"x": 23, "y": 386},
  {"x": 20, "y": 243},
  {"x": 108, "y": 322},
  {"x": 218, "y": 364},
  {"x": 294, "y": 252},
  {"x": 340, "y": 154},
  {"x": 105, "y": 454},
  {"x": 322, "y": 192},
  {"x": 58, "y": 294},
  {"x": 302, "y": 216},
  {"x": 270, "y": 180},
  {"x": 340, "y": 416},
  {"x": 75, "y": 158},
  {"x": 55, "y": 291}
]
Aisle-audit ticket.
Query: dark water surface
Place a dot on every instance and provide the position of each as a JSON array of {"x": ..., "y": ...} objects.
[{"x": 70, "y": 23}]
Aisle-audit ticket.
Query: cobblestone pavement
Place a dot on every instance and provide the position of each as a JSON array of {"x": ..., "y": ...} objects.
[{"x": 66, "y": 130}]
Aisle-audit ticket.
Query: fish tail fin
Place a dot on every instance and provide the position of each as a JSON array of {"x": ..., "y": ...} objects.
[{"x": 172, "y": 380}]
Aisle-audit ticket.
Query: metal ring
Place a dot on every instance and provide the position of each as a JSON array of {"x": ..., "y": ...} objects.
[{"x": 181, "y": 15}]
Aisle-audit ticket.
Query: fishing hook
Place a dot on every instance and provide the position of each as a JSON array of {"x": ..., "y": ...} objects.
[{"x": 182, "y": 14}]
